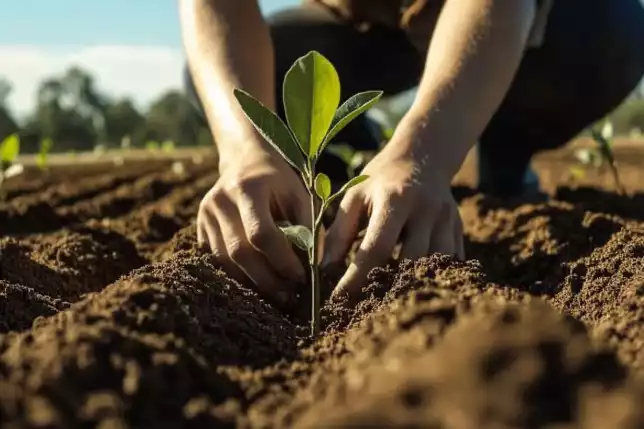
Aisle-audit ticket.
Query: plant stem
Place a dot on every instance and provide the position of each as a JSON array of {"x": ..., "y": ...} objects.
[{"x": 313, "y": 261}]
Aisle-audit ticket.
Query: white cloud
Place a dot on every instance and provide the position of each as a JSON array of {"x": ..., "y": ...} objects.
[{"x": 141, "y": 72}]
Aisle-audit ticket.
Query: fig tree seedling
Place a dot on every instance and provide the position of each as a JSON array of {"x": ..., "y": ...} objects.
[{"x": 311, "y": 98}]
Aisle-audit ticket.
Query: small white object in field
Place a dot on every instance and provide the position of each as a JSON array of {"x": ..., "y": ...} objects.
[
  {"x": 178, "y": 168},
  {"x": 14, "y": 170},
  {"x": 118, "y": 161},
  {"x": 607, "y": 130}
]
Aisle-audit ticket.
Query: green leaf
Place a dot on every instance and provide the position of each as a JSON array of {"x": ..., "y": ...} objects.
[
  {"x": 272, "y": 128},
  {"x": 311, "y": 95},
  {"x": 323, "y": 186},
  {"x": 10, "y": 148},
  {"x": 350, "y": 110},
  {"x": 298, "y": 235},
  {"x": 350, "y": 184}
]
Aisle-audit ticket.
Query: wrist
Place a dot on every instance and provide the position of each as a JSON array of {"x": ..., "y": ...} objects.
[
  {"x": 442, "y": 146},
  {"x": 244, "y": 150}
]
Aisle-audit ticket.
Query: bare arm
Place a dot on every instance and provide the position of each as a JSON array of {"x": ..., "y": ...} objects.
[
  {"x": 228, "y": 45},
  {"x": 475, "y": 52}
]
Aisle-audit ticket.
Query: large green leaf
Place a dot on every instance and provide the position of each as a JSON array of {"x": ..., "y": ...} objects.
[
  {"x": 272, "y": 128},
  {"x": 9, "y": 149},
  {"x": 349, "y": 110},
  {"x": 311, "y": 95}
]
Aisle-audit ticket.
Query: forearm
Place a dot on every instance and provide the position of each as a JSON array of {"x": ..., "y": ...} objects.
[
  {"x": 475, "y": 52},
  {"x": 227, "y": 44}
]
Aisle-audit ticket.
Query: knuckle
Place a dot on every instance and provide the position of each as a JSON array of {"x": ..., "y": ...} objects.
[
  {"x": 246, "y": 187},
  {"x": 377, "y": 251},
  {"x": 237, "y": 251},
  {"x": 259, "y": 237},
  {"x": 219, "y": 196}
]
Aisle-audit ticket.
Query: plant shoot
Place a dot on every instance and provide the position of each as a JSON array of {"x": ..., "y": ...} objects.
[{"x": 311, "y": 97}]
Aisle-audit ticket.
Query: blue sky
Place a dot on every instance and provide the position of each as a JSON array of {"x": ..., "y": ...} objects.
[
  {"x": 90, "y": 22},
  {"x": 133, "y": 47}
]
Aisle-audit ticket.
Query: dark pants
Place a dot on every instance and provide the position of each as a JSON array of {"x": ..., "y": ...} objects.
[{"x": 591, "y": 59}]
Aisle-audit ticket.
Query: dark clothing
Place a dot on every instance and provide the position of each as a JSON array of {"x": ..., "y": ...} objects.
[{"x": 589, "y": 61}]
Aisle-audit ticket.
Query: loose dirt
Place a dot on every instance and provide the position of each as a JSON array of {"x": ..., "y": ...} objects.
[{"x": 111, "y": 316}]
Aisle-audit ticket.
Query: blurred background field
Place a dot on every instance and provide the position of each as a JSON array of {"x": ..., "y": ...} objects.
[{"x": 107, "y": 76}]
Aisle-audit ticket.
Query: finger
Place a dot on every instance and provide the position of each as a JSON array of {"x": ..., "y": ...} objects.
[
  {"x": 264, "y": 235},
  {"x": 418, "y": 234},
  {"x": 442, "y": 235},
  {"x": 247, "y": 258},
  {"x": 211, "y": 232},
  {"x": 344, "y": 229},
  {"x": 382, "y": 234}
]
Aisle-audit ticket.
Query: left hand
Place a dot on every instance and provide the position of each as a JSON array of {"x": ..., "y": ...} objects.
[{"x": 407, "y": 201}]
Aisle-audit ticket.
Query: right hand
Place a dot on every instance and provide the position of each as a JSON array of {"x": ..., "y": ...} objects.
[{"x": 237, "y": 220}]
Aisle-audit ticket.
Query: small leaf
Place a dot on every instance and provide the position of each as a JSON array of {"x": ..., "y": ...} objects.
[
  {"x": 272, "y": 128},
  {"x": 311, "y": 95},
  {"x": 350, "y": 110},
  {"x": 607, "y": 130},
  {"x": 10, "y": 148},
  {"x": 323, "y": 186},
  {"x": 350, "y": 184},
  {"x": 298, "y": 235}
]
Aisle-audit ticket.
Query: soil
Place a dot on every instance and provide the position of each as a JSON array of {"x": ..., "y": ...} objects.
[{"x": 111, "y": 316}]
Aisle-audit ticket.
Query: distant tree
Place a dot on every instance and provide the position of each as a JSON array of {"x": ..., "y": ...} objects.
[
  {"x": 121, "y": 119},
  {"x": 171, "y": 117},
  {"x": 69, "y": 110}
]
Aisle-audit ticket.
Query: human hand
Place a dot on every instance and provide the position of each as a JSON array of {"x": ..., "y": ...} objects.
[
  {"x": 408, "y": 201},
  {"x": 237, "y": 220}
]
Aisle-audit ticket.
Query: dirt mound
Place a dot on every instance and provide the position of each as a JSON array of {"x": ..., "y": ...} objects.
[
  {"x": 69, "y": 263},
  {"x": 112, "y": 317}
]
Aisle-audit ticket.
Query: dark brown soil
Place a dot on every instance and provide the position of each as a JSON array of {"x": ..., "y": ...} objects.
[{"x": 112, "y": 317}]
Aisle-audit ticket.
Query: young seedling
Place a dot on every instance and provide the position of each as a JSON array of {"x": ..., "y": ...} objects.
[
  {"x": 9, "y": 151},
  {"x": 605, "y": 144},
  {"x": 168, "y": 146},
  {"x": 311, "y": 96},
  {"x": 42, "y": 159},
  {"x": 600, "y": 155},
  {"x": 152, "y": 146}
]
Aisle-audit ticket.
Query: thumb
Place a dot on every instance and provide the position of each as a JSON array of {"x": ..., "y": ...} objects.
[{"x": 344, "y": 229}]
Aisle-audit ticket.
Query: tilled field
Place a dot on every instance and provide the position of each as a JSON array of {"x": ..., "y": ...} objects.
[{"x": 110, "y": 317}]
